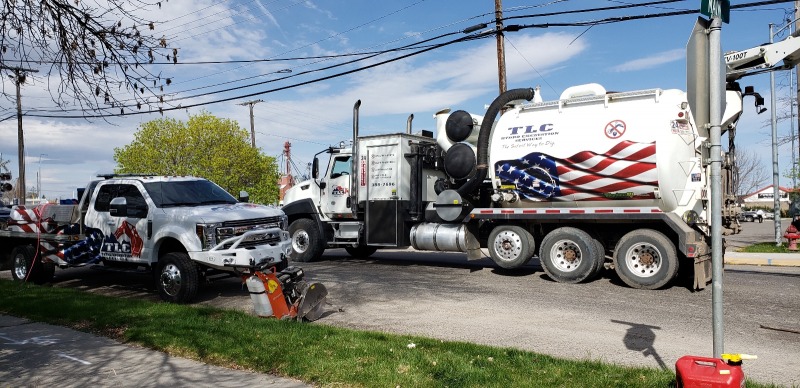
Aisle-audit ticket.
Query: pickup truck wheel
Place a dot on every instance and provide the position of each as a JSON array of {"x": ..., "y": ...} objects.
[
  {"x": 645, "y": 259},
  {"x": 178, "y": 278},
  {"x": 511, "y": 246},
  {"x": 361, "y": 251},
  {"x": 22, "y": 262},
  {"x": 569, "y": 255},
  {"x": 307, "y": 244}
]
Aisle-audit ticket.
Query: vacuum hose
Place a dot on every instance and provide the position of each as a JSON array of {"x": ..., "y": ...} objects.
[{"x": 486, "y": 130}]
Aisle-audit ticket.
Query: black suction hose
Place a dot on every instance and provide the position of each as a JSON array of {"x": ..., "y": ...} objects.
[{"x": 483, "y": 136}]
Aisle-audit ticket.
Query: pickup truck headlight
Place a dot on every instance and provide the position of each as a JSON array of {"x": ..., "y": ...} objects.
[
  {"x": 207, "y": 233},
  {"x": 284, "y": 222}
]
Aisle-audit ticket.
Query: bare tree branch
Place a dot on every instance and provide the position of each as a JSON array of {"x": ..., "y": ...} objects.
[
  {"x": 749, "y": 173},
  {"x": 99, "y": 54}
]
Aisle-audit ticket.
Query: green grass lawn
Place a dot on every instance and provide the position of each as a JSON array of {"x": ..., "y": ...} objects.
[
  {"x": 766, "y": 247},
  {"x": 315, "y": 353}
]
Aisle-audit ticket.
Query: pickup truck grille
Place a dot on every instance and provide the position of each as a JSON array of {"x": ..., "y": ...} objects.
[
  {"x": 254, "y": 221},
  {"x": 238, "y": 227}
]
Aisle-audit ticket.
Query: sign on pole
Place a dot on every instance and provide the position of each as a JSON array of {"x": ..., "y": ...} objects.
[{"x": 716, "y": 9}]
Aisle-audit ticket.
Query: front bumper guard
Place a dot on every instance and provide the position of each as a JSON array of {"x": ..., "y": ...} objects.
[{"x": 234, "y": 256}]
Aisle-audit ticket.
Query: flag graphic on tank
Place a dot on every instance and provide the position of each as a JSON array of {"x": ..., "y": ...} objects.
[{"x": 626, "y": 171}]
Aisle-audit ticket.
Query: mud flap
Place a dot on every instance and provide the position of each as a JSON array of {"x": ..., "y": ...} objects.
[
  {"x": 702, "y": 272},
  {"x": 312, "y": 302},
  {"x": 473, "y": 245}
]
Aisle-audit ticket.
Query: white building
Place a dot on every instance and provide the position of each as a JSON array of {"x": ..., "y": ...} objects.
[{"x": 765, "y": 198}]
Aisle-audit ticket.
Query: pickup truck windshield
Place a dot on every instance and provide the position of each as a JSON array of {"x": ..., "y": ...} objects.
[{"x": 187, "y": 193}]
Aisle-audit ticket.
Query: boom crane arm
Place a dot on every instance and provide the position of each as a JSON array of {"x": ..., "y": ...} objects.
[{"x": 763, "y": 58}]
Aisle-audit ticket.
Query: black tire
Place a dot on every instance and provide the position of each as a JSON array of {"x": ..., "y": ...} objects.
[
  {"x": 22, "y": 263},
  {"x": 361, "y": 251},
  {"x": 748, "y": 218},
  {"x": 600, "y": 260},
  {"x": 178, "y": 278},
  {"x": 569, "y": 255},
  {"x": 307, "y": 243},
  {"x": 645, "y": 259},
  {"x": 511, "y": 246}
]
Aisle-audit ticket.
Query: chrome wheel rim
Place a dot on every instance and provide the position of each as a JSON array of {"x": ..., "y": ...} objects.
[
  {"x": 171, "y": 281},
  {"x": 643, "y": 260},
  {"x": 20, "y": 266},
  {"x": 566, "y": 256},
  {"x": 508, "y": 245},
  {"x": 300, "y": 241}
]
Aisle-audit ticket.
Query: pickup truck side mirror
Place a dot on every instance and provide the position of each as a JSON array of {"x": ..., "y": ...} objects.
[
  {"x": 315, "y": 168},
  {"x": 244, "y": 196},
  {"x": 118, "y": 207}
]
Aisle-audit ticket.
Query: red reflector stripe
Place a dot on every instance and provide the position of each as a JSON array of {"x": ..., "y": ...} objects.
[
  {"x": 552, "y": 211},
  {"x": 631, "y": 211},
  {"x": 577, "y": 211},
  {"x": 529, "y": 211},
  {"x": 603, "y": 211},
  {"x": 486, "y": 211},
  {"x": 506, "y": 212}
]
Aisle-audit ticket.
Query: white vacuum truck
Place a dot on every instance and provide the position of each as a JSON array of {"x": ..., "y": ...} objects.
[{"x": 593, "y": 179}]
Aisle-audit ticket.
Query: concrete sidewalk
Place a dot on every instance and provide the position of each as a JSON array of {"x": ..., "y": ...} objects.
[
  {"x": 777, "y": 259},
  {"x": 34, "y": 354}
]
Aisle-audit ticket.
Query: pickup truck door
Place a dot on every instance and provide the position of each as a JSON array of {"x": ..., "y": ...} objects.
[
  {"x": 125, "y": 237},
  {"x": 334, "y": 199}
]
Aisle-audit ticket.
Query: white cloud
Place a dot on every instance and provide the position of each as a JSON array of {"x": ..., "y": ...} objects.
[{"x": 654, "y": 60}]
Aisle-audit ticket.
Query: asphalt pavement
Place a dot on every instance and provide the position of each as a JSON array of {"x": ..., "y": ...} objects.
[
  {"x": 759, "y": 232},
  {"x": 38, "y": 354}
]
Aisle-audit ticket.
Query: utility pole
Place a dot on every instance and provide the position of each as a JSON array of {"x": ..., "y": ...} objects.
[
  {"x": 19, "y": 78},
  {"x": 501, "y": 55},
  {"x": 252, "y": 124}
]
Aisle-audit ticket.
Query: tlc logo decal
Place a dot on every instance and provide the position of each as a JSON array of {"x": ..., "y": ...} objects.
[{"x": 339, "y": 191}]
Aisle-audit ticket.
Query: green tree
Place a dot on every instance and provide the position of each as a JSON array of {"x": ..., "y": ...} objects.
[{"x": 205, "y": 146}]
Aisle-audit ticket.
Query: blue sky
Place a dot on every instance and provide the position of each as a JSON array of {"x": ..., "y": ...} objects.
[{"x": 623, "y": 56}]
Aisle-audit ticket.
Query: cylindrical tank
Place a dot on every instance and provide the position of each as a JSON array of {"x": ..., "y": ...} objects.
[
  {"x": 594, "y": 149},
  {"x": 439, "y": 237},
  {"x": 441, "y": 130},
  {"x": 258, "y": 294}
]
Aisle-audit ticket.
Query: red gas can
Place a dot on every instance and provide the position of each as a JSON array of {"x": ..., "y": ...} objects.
[{"x": 705, "y": 372}]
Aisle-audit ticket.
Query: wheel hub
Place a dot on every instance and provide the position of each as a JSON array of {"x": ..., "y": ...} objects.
[
  {"x": 171, "y": 280},
  {"x": 20, "y": 267},
  {"x": 643, "y": 260},
  {"x": 508, "y": 246},
  {"x": 566, "y": 255},
  {"x": 300, "y": 241}
]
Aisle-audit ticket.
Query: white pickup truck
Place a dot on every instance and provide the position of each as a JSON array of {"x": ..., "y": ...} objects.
[{"x": 182, "y": 229}]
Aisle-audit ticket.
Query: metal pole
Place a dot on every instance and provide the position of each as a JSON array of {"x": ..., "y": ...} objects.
[
  {"x": 797, "y": 68},
  {"x": 776, "y": 205},
  {"x": 501, "y": 55},
  {"x": 39, "y": 178},
  {"x": 792, "y": 135},
  {"x": 716, "y": 95}
]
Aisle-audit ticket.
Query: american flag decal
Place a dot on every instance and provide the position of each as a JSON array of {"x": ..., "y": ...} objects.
[{"x": 626, "y": 171}]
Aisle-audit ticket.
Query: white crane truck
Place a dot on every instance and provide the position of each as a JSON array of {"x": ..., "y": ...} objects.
[
  {"x": 593, "y": 179},
  {"x": 181, "y": 229}
]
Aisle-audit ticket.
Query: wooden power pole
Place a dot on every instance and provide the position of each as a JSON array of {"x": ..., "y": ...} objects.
[
  {"x": 19, "y": 78},
  {"x": 252, "y": 123},
  {"x": 501, "y": 55}
]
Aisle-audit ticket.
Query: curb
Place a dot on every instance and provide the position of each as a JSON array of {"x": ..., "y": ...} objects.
[{"x": 774, "y": 259}]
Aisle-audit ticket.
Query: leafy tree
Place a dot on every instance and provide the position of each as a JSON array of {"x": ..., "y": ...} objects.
[
  {"x": 205, "y": 146},
  {"x": 94, "y": 48}
]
